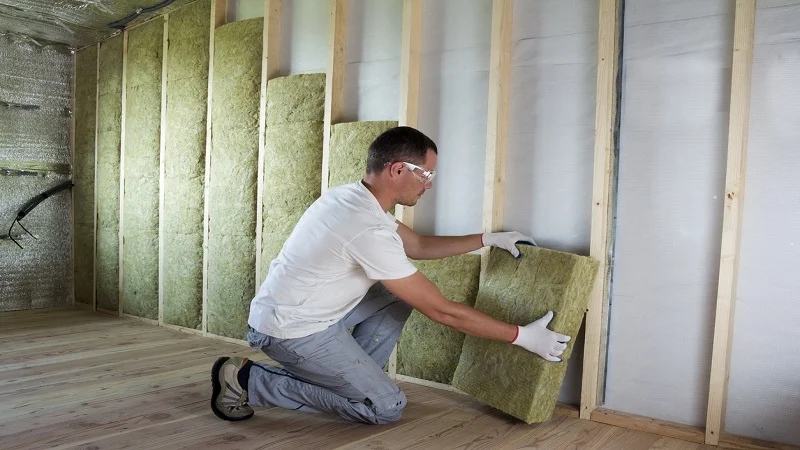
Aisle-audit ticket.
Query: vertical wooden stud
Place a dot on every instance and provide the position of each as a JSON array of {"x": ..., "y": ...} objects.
[
  {"x": 96, "y": 133},
  {"x": 606, "y": 108},
  {"x": 270, "y": 68},
  {"x": 334, "y": 80},
  {"x": 216, "y": 20},
  {"x": 738, "y": 127},
  {"x": 409, "y": 81},
  {"x": 411, "y": 37},
  {"x": 497, "y": 122},
  {"x": 162, "y": 170},
  {"x": 122, "y": 167}
]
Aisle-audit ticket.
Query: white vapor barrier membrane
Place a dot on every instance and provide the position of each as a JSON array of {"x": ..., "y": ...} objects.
[
  {"x": 453, "y": 103},
  {"x": 551, "y": 133},
  {"x": 304, "y": 36},
  {"x": 372, "y": 70},
  {"x": 673, "y": 143},
  {"x": 39, "y": 275},
  {"x": 764, "y": 387}
]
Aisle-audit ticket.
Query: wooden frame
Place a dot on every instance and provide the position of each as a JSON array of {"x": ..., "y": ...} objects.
[
  {"x": 334, "y": 80},
  {"x": 122, "y": 166},
  {"x": 216, "y": 20},
  {"x": 606, "y": 121},
  {"x": 270, "y": 68},
  {"x": 162, "y": 170},
  {"x": 497, "y": 123},
  {"x": 409, "y": 81},
  {"x": 72, "y": 165},
  {"x": 96, "y": 134},
  {"x": 409, "y": 103},
  {"x": 738, "y": 127}
]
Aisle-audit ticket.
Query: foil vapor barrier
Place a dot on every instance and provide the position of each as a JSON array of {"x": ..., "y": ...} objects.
[
  {"x": 76, "y": 23},
  {"x": 38, "y": 275},
  {"x": 35, "y": 77}
]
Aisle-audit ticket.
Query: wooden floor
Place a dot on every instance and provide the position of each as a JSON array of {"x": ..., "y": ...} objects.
[{"x": 72, "y": 379}]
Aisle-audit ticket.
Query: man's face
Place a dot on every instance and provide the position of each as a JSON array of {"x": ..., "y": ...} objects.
[{"x": 413, "y": 181}]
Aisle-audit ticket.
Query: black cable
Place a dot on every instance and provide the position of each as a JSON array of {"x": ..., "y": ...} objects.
[
  {"x": 30, "y": 205},
  {"x": 120, "y": 24}
]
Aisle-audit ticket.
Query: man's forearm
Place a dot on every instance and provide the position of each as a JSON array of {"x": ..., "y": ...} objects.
[
  {"x": 473, "y": 322},
  {"x": 435, "y": 247}
]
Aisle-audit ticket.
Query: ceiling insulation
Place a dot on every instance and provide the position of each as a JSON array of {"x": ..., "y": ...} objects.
[{"x": 76, "y": 23}]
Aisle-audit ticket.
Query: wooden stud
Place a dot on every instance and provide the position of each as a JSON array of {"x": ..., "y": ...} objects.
[
  {"x": 606, "y": 120},
  {"x": 409, "y": 103},
  {"x": 738, "y": 126},
  {"x": 162, "y": 171},
  {"x": 94, "y": 213},
  {"x": 216, "y": 20},
  {"x": 334, "y": 79},
  {"x": 497, "y": 123},
  {"x": 72, "y": 164},
  {"x": 646, "y": 424},
  {"x": 409, "y": 81},
  {"x": 270, "y": 68},
  {"x": 122, "y": 166}
]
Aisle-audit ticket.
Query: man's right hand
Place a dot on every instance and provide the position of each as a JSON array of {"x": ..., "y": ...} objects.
[{"x": 537, "y": 338}]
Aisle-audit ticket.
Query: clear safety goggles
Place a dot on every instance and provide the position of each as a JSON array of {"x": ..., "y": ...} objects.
[{"x": 424, "y": 176}]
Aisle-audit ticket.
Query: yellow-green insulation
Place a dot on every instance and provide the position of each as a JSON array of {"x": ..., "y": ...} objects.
[
  {"x": 233, "y": 176},
  {"x": 293, "y": 157},
  {"x": 108, "y": 166},
  {"x": 184, "y": 160},
  {"x": 349, "y": 147},
  {"x": 83, "y": 171},
  {"x": 520, "y": 291},
  {"x": 426, "y": 349},
  {"x": 142, "y": 156}
]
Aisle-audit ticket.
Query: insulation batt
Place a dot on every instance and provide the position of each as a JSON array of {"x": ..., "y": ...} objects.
[{"x": 520, "y": 291}]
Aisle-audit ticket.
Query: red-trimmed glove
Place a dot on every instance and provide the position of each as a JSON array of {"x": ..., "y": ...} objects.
[{"x": 537, "y": 338}]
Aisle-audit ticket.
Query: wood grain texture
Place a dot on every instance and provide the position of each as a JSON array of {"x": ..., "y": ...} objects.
[
  {"x": 162, "y": 169},
  {"x": 593, "y": 381},
  {"x": 654, "y": 426},
  {"x": 270, "y": 68},
  {"x": 110, "y": 382},
  {"x": 334, "y": 80},
  {"x": 411, "y": 41},
  {"x": 122, "y": 166},
  {"x": 738, "y": 126},
  {"x": 216, "y": 20}
]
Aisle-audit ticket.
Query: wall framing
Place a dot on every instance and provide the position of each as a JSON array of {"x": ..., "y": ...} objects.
[
  {"x": 738, "y": 127},
  {"x": 603, "y": 198},
  {"x": 334, "y": 80},
  {"x": 270, "y": 68}
]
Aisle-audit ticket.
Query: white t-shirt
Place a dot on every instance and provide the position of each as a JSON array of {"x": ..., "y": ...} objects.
[{"x": 339, "y": 248}]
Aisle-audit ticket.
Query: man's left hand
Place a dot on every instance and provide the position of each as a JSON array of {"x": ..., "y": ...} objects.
[{"x": 507, "y": 240}]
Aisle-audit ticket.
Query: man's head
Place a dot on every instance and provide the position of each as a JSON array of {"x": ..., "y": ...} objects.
[{"x": 403, "y": 160}]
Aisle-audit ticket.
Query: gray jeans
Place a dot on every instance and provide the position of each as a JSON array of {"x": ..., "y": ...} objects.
[{"x": 333, "y": 371}]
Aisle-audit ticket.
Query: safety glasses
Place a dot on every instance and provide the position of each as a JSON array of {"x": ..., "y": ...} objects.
[{"x": 424, "y": 176}]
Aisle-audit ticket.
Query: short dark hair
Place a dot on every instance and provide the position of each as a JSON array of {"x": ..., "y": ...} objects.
[{"x": 398, "y": 144}]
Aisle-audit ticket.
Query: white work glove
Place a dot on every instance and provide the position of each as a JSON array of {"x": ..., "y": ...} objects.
[
  {"x": 536, "y": 338},
  {"x": 507, "y": 240}
]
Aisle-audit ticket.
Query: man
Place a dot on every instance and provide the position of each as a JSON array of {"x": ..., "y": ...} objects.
[{"x": 344, "y": 266}]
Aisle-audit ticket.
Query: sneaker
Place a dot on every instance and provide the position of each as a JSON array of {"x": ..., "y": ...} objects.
[{"x": 228, "y": 399}]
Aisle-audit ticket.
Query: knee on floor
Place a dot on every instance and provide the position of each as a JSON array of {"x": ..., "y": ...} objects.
[{"x": 389, "y": 408}]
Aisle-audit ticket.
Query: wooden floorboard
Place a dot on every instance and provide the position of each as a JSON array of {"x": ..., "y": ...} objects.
[{"x": 74, "y": 379}]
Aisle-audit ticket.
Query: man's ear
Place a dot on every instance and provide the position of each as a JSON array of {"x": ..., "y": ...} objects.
[{"x": 396, "y": 168}]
